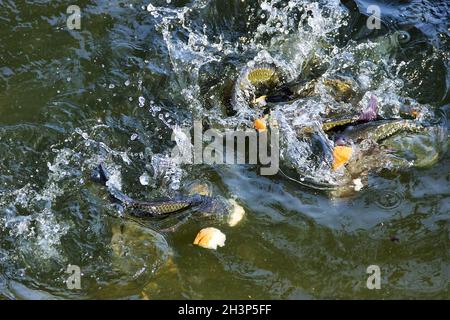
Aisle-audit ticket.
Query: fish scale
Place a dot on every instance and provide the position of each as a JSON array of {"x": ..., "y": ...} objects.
[
  {"x": 159, "y": 207},
  {"x": 328, "y": 125},
  {"x": 262, "y": 75},
  {"x": 380, "y": 130},
  {"x": 167, "y": 206},
  {"x": 163, "y": 206}
]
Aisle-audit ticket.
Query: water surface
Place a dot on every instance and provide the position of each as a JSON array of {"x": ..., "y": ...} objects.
[{"x": 112, "y": 92}]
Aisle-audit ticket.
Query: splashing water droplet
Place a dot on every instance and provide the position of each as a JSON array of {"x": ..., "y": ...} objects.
[
  {"x": 144, "y": 179},
  {"x": 141, "y": 101}
]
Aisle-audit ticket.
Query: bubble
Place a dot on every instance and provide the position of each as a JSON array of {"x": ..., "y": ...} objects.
[
  {"x": 389, "y": 200},
  {"x": 111, "y": 86},
  {"x": 127, "y": 83},
  {"x": 141, "y": 101},
  {"x": 134, "y": 136},
  {"x": 144, "y": 179}
]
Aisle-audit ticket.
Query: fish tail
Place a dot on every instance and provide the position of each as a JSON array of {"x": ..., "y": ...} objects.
[
  {"x": 370, "y": 113},
  {"x": 119, "y": 196},
  {"x": 101, "y": 175}
]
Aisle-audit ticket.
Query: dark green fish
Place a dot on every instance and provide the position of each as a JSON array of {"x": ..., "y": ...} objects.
[
  {"x": 379, "y": 130},
  {"x": 330, "y": 124},
  {"x": 160, "y": 207}
]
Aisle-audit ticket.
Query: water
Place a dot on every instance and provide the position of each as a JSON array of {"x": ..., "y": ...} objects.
[{"x": 116, "y": 89}]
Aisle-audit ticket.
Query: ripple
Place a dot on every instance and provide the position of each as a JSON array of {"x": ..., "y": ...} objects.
[{"x": 389, "y": 200}]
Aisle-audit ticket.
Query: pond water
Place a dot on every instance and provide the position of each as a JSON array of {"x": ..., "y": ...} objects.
[{"x": 114, "y": 90}]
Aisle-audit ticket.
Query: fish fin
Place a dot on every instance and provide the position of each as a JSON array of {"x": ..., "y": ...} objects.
[
  {"x": 370, "y": 113},
  {"x": 119, "y": 196},
  {"x": 100, "y": 174}
]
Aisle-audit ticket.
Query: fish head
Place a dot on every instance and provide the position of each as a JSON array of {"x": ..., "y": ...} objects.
[{"x": 342, "y": 140}]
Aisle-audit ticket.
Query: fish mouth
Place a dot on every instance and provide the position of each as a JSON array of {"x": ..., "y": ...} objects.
[
  {"x": 253, "y": 84},
  {"x": 310, "y": 182}
]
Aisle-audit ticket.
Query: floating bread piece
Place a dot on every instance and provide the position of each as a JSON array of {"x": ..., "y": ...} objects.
[
  {"x": 358, "y": 185},
  {"x": 237, "y": 212},
  {"x": 260, "y": 124},
  {"x": 210, "y": 238},
  {"x": 341, "y": 154}
]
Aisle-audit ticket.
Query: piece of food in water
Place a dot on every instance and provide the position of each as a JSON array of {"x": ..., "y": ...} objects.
[
  {"x": 409, "y": 112},
  {"x": 237, "y": 212},
  {"x": 210, "y": 238},
  {"x": 260, "y": 124},
  {"x": 341, "y": 154},
  {"x": 358, "y": 185}
]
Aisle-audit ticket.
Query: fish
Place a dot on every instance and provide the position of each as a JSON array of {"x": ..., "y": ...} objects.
[
  {"x": 380, "y": 130},
  {"x": 159, "y": 207},
  {"x": 340, "y": 89},
  {"x": 253, "y": 82},
  {"x": 367, "y": 115},
  {"x": 261, "y": 75}
]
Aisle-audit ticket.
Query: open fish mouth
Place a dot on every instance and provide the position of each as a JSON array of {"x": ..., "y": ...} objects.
[{"x": 253, "y": 84}]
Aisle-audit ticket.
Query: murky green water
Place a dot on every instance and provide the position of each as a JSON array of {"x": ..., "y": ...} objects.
[{"x": 112, "y": 91}]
